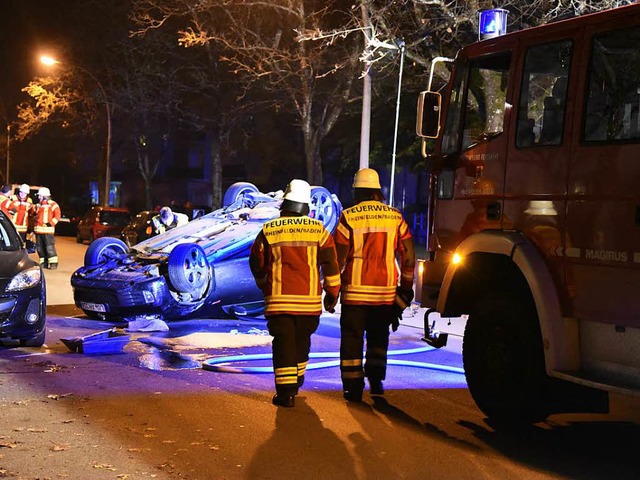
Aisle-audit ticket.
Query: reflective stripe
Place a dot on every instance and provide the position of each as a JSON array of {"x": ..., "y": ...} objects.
[
  {"x": 350, "y": 375},
  {"x": 286, "y": 371},
  {"x": 356, "y": 362}
]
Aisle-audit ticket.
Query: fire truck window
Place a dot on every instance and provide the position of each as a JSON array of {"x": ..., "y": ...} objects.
[
  {"x": 543, "y": 94},
  {"x": 613, "y": 95},
  {"x": 485, "y": 98}
]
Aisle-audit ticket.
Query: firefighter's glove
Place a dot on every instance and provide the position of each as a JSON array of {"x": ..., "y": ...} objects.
[
  {"x": 402, "y": 301},
  {"x": 395, "y": 323},
  {"x": 330, "y": 302}
]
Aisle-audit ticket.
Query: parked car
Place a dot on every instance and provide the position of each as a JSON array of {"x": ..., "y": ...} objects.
[
  {"x": 139, "y": 228},
  {"x": 200, "y": 269},
  {"x": 23, "y": 299},
  {"x": 100, "y": 222}
]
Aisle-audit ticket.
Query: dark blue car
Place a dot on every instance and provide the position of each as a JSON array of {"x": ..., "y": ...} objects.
[
  {"x": 22, "y": 289},
  {"x": 200, "y": 269}
]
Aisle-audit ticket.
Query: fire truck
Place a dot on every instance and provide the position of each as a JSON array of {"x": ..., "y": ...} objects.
[{"x": 533, "y": 149}]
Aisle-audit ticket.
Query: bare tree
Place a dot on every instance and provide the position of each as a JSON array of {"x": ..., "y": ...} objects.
[{"x": 258, "y": 41}]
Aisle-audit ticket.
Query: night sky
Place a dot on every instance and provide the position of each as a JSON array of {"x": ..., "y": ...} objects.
[{"x": 27, "y": 27}]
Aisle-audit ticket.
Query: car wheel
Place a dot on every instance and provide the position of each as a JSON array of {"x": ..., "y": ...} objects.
[
  {"x": 503, "y": 360},
  {"x": 104, "y": 249},
  {"x": 236, "y": 191},
  {"x": 36, "y": 341},
  {"x": 324, "y": 207},
  {"x": 189, "y": 269}
]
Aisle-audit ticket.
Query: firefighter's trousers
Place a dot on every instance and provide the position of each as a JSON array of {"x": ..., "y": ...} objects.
[
  {"x": 46, "y": 247},
  {"x": 356, "y": 321},
  {"x": 291, "y": 343}
]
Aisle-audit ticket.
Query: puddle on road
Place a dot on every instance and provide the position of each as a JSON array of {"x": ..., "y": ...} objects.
[{"x": 160, "y": 353}]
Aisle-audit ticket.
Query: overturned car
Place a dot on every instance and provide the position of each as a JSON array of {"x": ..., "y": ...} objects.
[{"x": 200, "y": 269}]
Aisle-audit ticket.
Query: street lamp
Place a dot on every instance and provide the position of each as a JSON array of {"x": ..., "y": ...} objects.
[
  {"x": 50, "y": 61},
  {"x": 8, "y": 150}
]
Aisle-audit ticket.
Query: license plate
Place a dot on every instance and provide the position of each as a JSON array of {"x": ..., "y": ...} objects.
[{"x": 93, "y": 307}]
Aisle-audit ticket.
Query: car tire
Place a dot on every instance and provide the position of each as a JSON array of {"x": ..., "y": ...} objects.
[
  {"x": 189, "y": 269},
  {"x": 104, "y": 249},
  {"x": 323, "y": 207},
  {"x": 36, "y": 341},
  {"x": 236, "y": 191},
  {"x": 503, "y": 359}
]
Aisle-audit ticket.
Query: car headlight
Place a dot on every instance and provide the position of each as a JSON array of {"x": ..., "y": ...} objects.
[{"x": 25, "y": 279}]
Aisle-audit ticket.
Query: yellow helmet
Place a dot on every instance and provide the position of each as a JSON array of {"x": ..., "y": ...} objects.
[{"x": 366, "y": 178}]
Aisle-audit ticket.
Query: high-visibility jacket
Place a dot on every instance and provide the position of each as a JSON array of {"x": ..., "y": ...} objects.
[
  {"x": 368, "y": 237},
  {"x": 5, "y": 205},
  {"x": 23, "y": 210},
  {"x": 47, "y": 215},
  {"x": 285, "y": 259},
  {"x": 178, "y": 220}
]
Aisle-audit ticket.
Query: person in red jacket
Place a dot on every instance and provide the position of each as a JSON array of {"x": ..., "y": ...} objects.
[
  {"x": 370, "y": 237},
  {"x": 6, "y": 202},
  {"x": 285, "y": 259},
  {"x": 23, "y": 208},
  {"x": 47, "y": 215}
]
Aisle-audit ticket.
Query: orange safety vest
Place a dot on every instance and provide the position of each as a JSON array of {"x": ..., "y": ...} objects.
[
  {"x": 23, "y": 209},
  {"x": 368, "y": 237},
  {"x": 47, "y": 215},
  {"x": 284, "y": 260}
]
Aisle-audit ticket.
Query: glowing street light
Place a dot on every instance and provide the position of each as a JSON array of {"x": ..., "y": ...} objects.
[{"x": 50, "y": 61}]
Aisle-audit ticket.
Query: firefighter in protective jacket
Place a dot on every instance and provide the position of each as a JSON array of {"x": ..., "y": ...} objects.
[
  {"x": 369, "y": 238},
  {"x": 284, "y": 260},
  {"x": 47, "y": 216},
  {"x": 23, "y": 208}
]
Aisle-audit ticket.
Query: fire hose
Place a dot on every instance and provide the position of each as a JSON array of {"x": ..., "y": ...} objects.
[{"x": 221, "y": 364}]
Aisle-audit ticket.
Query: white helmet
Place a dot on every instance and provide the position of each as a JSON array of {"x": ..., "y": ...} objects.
[
  {"x": 297, "y": 197},
  {"x": 166, "y": 215},
  {"x": 24, "y": 188},
  {"x": 298, "y": 191},
  {"x": 44, "y": 192}
]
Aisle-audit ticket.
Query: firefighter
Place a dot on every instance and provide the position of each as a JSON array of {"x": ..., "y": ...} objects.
[
  {"x": 284, "y": 260},
  {"x": 6, "y": 202},
  {"x": 47, "y": 215},
  {"x": 167, "y": 220},
  {"x": 23, "y": 208},
  {"x": 370, "y": 237}
]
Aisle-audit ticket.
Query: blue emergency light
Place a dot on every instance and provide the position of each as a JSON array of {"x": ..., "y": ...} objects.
[{"x": 492, "y": 23}]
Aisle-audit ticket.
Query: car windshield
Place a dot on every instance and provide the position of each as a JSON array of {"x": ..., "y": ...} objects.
[
  {"x": 115, "y": 218},
  {"x": 9, "y": 238}
]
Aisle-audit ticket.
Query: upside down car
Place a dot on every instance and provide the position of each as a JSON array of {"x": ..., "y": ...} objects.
[{"x": 200, "y": 269}]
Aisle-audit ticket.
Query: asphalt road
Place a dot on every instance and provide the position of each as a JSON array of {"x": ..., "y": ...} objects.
[{"x": 154, "y": 412}]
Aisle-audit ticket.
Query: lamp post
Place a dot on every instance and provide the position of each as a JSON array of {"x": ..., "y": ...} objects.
[
  {"x": 50, "y": 61},
  {"x": 8, "y": 152}
]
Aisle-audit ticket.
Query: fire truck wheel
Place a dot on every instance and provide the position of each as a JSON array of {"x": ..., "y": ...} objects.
[{"x": 503, "y": 359}]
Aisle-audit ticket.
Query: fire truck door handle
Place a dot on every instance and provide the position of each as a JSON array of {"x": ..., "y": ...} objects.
[{"x": 494, "y": 211}]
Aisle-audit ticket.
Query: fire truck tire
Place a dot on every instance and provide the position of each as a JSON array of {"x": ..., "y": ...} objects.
[{"x": 504, "y": 361}]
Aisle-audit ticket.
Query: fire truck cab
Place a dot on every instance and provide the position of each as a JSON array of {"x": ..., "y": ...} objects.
[{"x": 534, "y": 215}]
